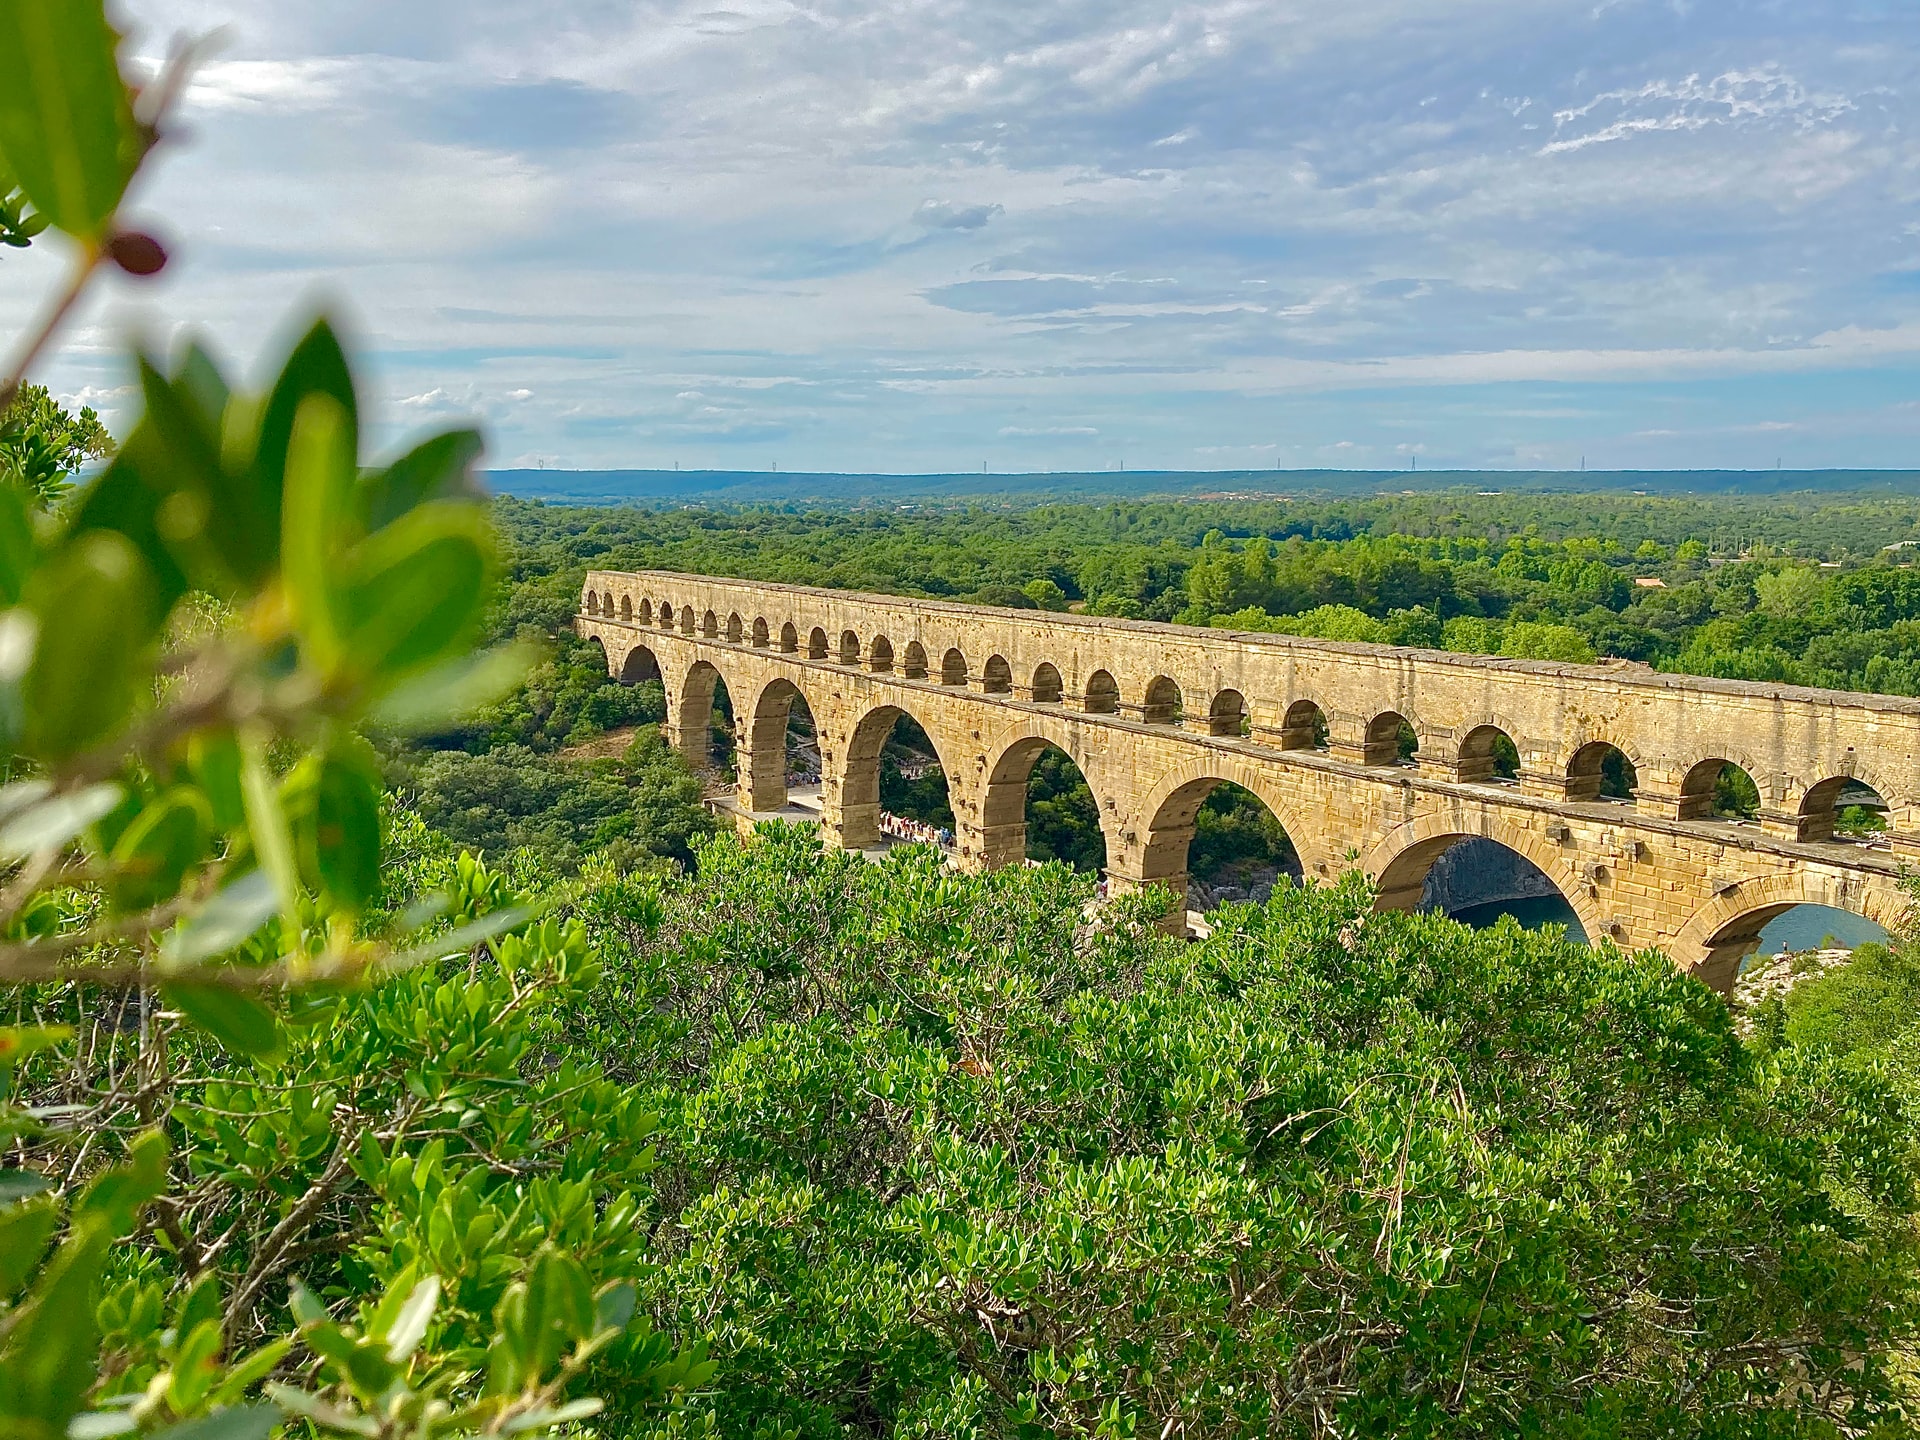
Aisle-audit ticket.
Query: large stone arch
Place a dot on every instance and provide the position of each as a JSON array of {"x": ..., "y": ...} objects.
[
  {"x": 1400, "y": 861},
  {"x": 641, "y": 662},
  {"x": 760, "y": 725},
  {"x": 690, "y": 709},
  {"x": 850, "y": 764},
  {"x": 1000, "y": 836},
  {"x": 605, "y": 658},
  {"x": 1156, "y": 835},
  {"x": 1724, "y": 929}
]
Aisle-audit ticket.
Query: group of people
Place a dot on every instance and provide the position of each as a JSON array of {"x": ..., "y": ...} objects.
[{"x": 916, "y": 832}]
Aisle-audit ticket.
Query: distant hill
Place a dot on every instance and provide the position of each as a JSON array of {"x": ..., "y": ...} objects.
[{"x": 747, "y": 487}]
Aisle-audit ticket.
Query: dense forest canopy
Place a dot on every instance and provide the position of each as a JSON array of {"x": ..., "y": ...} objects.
[{"x": 1802, "y": 590}]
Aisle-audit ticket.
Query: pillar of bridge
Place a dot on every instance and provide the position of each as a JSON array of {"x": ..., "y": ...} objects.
[
  {"x": 1123, "y": 879},
  {"x": 1719, "y": 967},
  {"x": 990, "y": 847},
  {"x": 849, "y": 809},
  {"x": 1788, "y": 825},
  {"x": 762, "y": 771}
]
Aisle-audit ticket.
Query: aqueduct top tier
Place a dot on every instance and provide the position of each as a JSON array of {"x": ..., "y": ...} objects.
[{"x": 1321, "y": 728}]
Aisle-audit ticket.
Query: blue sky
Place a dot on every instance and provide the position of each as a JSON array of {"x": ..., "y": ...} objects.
[{"x": 1063, "y": 234}]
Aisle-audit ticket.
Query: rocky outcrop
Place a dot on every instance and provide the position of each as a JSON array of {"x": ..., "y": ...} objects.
[{"x": 1479, "y": 872}]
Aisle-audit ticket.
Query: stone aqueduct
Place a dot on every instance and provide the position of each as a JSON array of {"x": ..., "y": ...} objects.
[{"x": 1156, "y": 715}]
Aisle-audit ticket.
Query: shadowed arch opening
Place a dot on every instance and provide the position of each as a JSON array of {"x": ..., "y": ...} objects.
[
  {"x": 1218, "y": 843},
  {"x": 736, "y": 628},
  {"x": 849, "y": 648},
  {"x": 1718, "y": 789},
  {"x": 997, "y": 677},
  {"x": 1103, "y": 694},
  {"x": 1228, "y": 715},
  {"x": 710, "y": 626},
  {"x": 817, "y": 644},
  {"x": 785, "y": 744},
  {"x": 640, "y": 664},
  {"x": 1038, "y": 806},
  {"x": 895, "y": 785},
  {"x": 626, "y": 608},
  {"x": 666, "y": 616},
  {"x": 686, "y": 619},
  {"x": 1391, "y": 740},
  {"x": 760, "y": 635},
  {"x": 645, "y": 614},
  {"x": 1599, "y": 771},
  {"x": 953, "y": 668},
  {"x": 1047, "y": 689},
  {"x": 601, "y": 645},
  {"x": 1304, "y": 727},
  {"x": 593, "y": 602},
  {"x": 606, "y": 602},
  {"x": 1488, "y": 755},
  {"x": 1843, "y": 808},
  {"x": 1162, "y": 703},
  {"x": 1478, "y": 882},
  {"x": 914, "y": 666},
  {"x": 789, "y": 639},
  {"x": 706, "y": 719},
  {"x": 880, "y": 655}
]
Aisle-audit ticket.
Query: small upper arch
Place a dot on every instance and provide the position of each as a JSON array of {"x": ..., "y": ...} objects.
[
  {"x": 760, "y": 634},
  {"x": 1303, "y": 727},
  {"x": 593, "y": 602},
  {"x": 880, "y": 655},
  {"x": 1842, "y": 807},
  {"x": 1047, "y": 689},
  {"x": 736, "y": 628},
  {"x": 1161, "y": 705},
  {"x": 997, "y": 676},
  {"x": 1601, "y": 770},
  {"x": 645, "y": 615},
  {"x": 1390, "y": 740},
  {"x": 1227, "y": 715},
  {"x": 626, "y": 607},
  {"x": 1487, "y": 754},
  {"x": 849, "y": 648},
  {"x": 1102, "y": 694},
  {"x": 789, "y": 639},
  {"x": 710, "y": 626},
  {"x": 1717, "y": 788},
  {"x": 686, "y": 619},
  {"x": 914, "y": 663},
  {"x": 953, "y": 668},
  {"x": 817, "y": 644}
]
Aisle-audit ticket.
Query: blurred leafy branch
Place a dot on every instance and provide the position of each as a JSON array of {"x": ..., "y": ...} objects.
[{"x": 192, "y": 840}]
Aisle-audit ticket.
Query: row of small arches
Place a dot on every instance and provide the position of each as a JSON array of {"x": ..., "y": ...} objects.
[{"x": 1486, "y": 755}]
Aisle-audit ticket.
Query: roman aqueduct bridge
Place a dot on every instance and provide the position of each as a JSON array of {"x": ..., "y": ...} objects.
[{"x": 1156, "y": 715}]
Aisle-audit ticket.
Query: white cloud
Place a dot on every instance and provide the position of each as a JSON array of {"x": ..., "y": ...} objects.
[
  {"x": 945, "y": 215},
  {"x": 888, "y": 235}
]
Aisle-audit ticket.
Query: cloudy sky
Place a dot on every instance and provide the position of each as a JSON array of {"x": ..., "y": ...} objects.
[{"x": 1063, "y": 234}]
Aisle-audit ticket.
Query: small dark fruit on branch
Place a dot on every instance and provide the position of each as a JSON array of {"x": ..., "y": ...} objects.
[{"x": 137, "y": 254}]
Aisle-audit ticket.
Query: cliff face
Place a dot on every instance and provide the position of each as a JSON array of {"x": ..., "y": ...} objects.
[{"x": 1477, "y": 872}]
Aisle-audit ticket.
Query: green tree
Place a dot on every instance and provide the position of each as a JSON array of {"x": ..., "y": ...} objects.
[
  {"x": 43, "y": 445},
  {"x": 197, "y": 876},
  {"x": 1533, "y": 640}
]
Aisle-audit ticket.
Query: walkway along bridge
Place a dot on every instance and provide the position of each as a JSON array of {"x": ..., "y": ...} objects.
[{"x": 1157, "y": 715}]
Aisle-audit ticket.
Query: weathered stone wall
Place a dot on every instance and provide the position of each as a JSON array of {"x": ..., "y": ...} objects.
[{"x": 1153, "y": 717}]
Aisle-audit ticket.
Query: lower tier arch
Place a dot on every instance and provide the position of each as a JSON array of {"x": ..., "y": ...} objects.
[{"x": 1399, "y": 863}]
